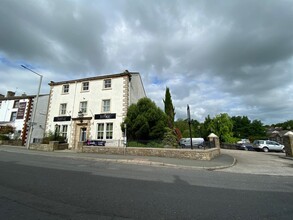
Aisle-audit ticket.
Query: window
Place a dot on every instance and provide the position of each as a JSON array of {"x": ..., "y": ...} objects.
[
  {"x": 100, "y": 134},
  {"x": 82, "y": 136},
  {"x": 109, "y": 130},
  {"x": 57, "y": 129},
  {"x": 105, "y": 131},
  {"x": 107, "y": 83},
  {"x": 16, "y": 104},
  {"x": 106, "y": 105},
  {"x": 83, "y": 107},
  {"x": 64, "y": 131},
  {"x": 65, "y": 89},
  {"x": 62, "y": 110},
  {"x": 85, "y": 86},
  {"x": 13, "y": 116}
]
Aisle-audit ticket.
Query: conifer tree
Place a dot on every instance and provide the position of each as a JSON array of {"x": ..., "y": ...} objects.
[{"x": 169, "y": 108}]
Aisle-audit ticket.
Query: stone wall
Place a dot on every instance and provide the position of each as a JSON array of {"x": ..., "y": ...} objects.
[
  {"x": 229, "y": 146},
  {"x": 288, "y": 142},
  {"x": 197, "y": 154},
  {"x": 11, "y": 142},
  {"x": 53, "y": 145}
]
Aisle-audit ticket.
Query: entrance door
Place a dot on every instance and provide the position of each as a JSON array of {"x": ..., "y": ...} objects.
[{"x": 82, "y": 136}]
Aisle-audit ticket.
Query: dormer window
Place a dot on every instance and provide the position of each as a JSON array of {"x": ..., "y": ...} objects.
[{"x": 107, "y": 84}]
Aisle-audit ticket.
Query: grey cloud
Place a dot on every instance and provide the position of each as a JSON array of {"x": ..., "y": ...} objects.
[
  {"x": 62, "y": 35},
  {"x": 239, "y": 51}
]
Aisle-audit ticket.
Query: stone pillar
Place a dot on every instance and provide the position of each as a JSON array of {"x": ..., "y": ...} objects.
[
  {"x": 288, "y": 142},
  {"x": 79, "y": 147},
  {"x": 214, "y": 139},
  {"x": 217, "y": 142},
  {"x": 53, "y": 145}
]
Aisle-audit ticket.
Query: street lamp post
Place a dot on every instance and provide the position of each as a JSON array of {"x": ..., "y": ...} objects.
[
  {"x": 189, "y": 123},
  {"x": 35, "y": 108},
  {"x": 125, "y": 135}
]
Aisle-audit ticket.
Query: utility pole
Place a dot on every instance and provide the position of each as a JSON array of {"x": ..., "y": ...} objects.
[{"x": 189, "y": 123}]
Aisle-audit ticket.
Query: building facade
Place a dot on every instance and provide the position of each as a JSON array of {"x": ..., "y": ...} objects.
[
  {"x": 92, "y": 108},
  {"x": 16, "y": 111}
]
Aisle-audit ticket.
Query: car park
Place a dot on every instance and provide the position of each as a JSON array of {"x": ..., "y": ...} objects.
[{"x": 268, "y": 145}]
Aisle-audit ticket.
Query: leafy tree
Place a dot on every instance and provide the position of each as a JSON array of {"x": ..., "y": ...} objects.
[
  {"x": 195, "y": 128},
  {"x": 206, "y": 128},
  {"x": 241, "y": 126},
  {"x": 183, "y": 126},
  {"x": 169, "y": 108},
  {"x": 287, "y": 125},
  {"x": 7, "y": 129},
  {"x": 222, "y": 126},
  {"x": 257, "y": 129},
  {"x": 145, "y": 121}
]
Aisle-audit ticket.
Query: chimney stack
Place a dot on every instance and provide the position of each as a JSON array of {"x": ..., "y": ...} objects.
[{"x": 10, "y": 94}]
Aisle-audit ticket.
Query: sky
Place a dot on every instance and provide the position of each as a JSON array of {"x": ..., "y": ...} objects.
[{"x": 229, "y": 56}]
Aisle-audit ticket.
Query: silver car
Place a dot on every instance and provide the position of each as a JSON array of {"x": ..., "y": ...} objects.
[{"x": 267, "y": 145}]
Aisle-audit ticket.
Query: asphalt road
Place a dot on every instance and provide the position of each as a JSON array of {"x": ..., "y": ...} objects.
[{"x": 45, "y": 187}]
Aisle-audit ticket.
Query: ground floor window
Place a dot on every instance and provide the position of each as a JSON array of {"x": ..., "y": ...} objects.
[
  {"x": 63, "y": 132},
  {"x": 109, "y": 131},
  {"x": 104, "y": 130},
  {"x": 100, "y": 134}
]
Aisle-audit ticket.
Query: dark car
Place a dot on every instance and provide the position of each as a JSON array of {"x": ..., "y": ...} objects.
[
  {"x": 95, "y": 143},
  {"x": 245, "y": 146}
]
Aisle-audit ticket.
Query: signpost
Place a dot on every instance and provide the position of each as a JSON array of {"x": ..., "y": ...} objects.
[{"x": 189, "y": 123}]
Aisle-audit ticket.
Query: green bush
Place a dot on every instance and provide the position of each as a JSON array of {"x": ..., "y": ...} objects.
[
  {"x": 51, "y": 136},
  {"x": 170, "y": 139},
  {"x": 4, "y": 137},
  {"x": 150, "y": 144}
]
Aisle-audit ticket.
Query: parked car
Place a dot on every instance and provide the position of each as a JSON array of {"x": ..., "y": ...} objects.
[
  {"x": 243, "y": 141},
  {"x": 196, "y": 142},
  {"x": 267, "y": 145},
  {"x": 245, "y": 146}
]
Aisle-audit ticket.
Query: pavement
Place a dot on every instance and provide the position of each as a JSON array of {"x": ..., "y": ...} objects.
[{"x": 220, "y": 162}]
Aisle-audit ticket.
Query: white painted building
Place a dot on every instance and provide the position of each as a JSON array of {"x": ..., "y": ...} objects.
[
  {"x": 93, "y": 108},
  {"x": 17, "y": 112}
]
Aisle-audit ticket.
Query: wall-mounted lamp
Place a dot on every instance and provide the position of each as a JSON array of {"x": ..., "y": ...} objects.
[{"x": 80, "y": 115}]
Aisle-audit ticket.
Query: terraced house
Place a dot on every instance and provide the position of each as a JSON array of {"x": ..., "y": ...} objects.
[
  {"x": 17, "y": 112},
  {"x": 93, "y": 108}
]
